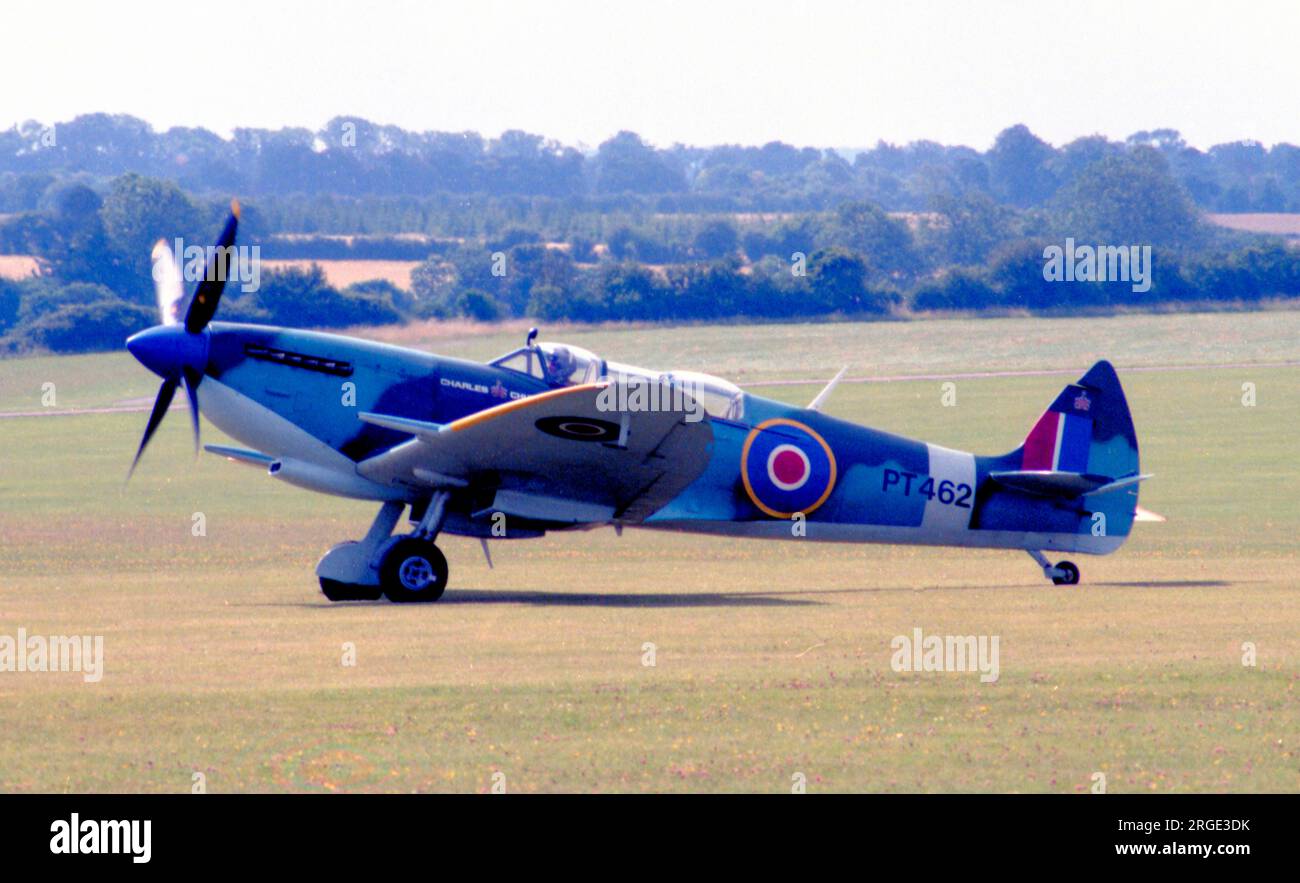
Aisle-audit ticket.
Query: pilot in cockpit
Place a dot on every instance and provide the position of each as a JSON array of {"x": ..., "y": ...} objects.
[
  {"x": 560, "y": 366},
  {"x": 557, "y": 364}
]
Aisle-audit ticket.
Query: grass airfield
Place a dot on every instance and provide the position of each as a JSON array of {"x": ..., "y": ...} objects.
[{"x": 771, "y": 659}]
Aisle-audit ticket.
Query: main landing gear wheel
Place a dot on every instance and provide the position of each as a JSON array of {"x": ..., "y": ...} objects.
[
  {"x": 340, "y": 591},
  {"x": 1069, "y": 574},
  {"x": 413, "y": 570}
]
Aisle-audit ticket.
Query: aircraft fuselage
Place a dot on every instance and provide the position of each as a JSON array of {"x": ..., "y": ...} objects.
[{"x": 776, "y": 472}]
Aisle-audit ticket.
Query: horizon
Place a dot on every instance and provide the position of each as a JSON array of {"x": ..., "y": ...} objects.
[{"x": 589, "y": 149}]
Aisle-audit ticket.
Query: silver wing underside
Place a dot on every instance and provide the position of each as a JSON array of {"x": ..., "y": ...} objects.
[{"x": 558, "y": 456}]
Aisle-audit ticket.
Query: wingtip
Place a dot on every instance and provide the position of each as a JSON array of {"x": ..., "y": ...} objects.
[{"x": 234, "y": 209}]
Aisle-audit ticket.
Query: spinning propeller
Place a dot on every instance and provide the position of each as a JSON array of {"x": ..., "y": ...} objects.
[{"x": 178, "y": 351}]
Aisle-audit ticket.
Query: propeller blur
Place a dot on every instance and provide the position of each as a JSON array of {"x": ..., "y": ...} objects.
[{"x": 178, "y": 352}]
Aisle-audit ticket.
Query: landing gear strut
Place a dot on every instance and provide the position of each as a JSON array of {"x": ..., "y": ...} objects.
[{"x": 1064, "y": 573}]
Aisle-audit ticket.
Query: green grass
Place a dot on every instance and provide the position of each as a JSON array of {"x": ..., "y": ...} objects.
[
  {"x": 772, "y": 658},
  {"x": 754, "y": 353}
]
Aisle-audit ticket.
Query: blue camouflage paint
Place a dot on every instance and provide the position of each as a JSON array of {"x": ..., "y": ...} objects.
[
  {"x": 858, "y": 470},
  {"x": 385, "y": 379}
]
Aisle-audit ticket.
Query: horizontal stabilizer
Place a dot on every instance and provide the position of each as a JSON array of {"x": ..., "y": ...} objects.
[
  {"x": 241, "y": 455},
  {"x": 1141, "y": 514},
  {"x": 1119, "y": 483},
  {"x": 1051, "y": 483}
]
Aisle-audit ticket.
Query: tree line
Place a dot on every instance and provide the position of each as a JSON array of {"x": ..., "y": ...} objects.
[
  {"x": 353, "y": 157},
  {"x": 618, "y": 257}
]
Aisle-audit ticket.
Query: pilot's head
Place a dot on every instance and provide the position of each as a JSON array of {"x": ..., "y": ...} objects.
[{"x": 559, "y": 365}]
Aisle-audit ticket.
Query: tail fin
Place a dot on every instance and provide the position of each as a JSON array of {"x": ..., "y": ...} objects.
[
  {"x": 1087, "y": 429},
  {"x": 1082, "y": 456}
]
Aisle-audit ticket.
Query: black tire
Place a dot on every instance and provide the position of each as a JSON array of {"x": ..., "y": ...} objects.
[
  {"x": 339, "y": 591},
  {"x": 413, "y": 570},
  {"x": 1071, "y": 575}
]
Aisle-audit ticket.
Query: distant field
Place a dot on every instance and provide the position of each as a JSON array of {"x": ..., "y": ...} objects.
[
  {"x": 756, "y": 353},
  {"x": 772, "y": 658},
  {"x": 1275, "y": 223},
  {"x": 341, "y": 274},
  {"x": 351, "y": 238},
  {"x": 753, "y": 353},
  {"x": 17, "y": 266}
]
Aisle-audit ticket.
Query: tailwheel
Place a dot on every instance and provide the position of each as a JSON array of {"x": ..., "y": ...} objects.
[
  {"x": 335, "y": 590},
  {"x": 1069, "y": 574},
  {"x": 413, "y": 570}
]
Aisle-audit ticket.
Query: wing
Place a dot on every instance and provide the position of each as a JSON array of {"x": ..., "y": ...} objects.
[{"x": 558, "y": 456}]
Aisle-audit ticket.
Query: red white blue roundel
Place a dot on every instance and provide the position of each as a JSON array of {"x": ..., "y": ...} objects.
[{"x": 786, "y": 468}]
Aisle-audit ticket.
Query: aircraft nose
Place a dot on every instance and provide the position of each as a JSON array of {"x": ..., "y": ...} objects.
[{"x": 167, "y": 349}]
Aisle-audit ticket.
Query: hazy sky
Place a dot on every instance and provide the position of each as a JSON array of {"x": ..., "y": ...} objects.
[{"x": 704, "y": 72}]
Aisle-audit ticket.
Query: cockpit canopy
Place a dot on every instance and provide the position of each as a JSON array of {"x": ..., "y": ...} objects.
[
  {"x": 718, "y": 397},
  {"x": 562, "y": 364},
  {"x": 558, "y": 364}
]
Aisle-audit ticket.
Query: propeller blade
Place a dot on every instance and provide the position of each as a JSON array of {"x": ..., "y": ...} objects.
[
  {"x": 167, "y": 283},
  {"x": 208, "y": 294},
  {"x": 160, "y": 406},
  {"x": 192, "y": 380}
]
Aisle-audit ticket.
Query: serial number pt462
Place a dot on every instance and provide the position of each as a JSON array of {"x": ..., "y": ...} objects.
[{"x": 907, "y": 483}]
